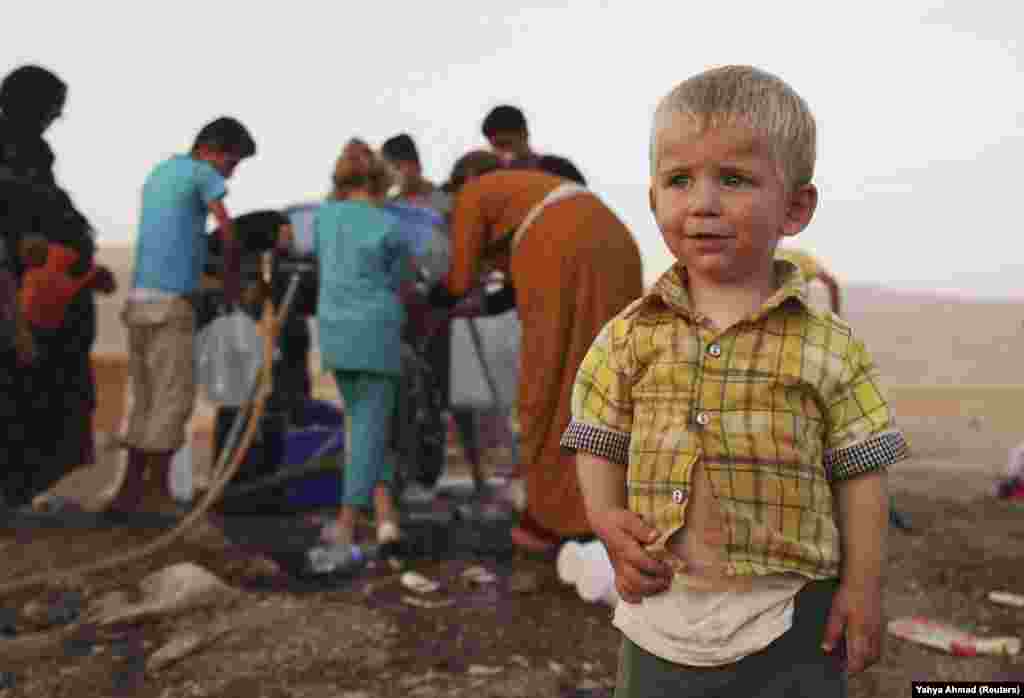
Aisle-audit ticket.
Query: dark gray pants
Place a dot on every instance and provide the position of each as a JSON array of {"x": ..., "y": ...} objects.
[{"x": 793, "y": 666}]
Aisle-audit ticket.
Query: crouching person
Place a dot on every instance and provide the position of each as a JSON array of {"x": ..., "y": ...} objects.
[{"x": 159, "y": 316}]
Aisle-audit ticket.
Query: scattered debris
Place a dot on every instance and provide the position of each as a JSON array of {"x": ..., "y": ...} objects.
[
  {"x": 523, "y": 582},
  {"x": 66, "y": 609},
  {"x": 418, "y": 583},
  {"x": 520, "y": 660},
  {"x": 479, "y": 575},
  {"x": 899, "y": 519},
  {"x": 8, "y": 622},
  {"x": 1006, "y": 598},
  {"x": 948, "y": 638},
  {"x": 8, "y": 680},
  {"x": 83, "y": 642},
  {"x": 424, "y": 603},
  {"x": 480, "y": 670},
  {"x": 410, "y": 681},
  {"x": 556, "y": 667}
]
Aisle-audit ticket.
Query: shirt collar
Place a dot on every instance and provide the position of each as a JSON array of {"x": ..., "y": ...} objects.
[{"x": 671, "y": 290}]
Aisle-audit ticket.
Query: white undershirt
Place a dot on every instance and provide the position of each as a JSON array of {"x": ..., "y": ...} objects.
[{"x": 711, "y": 628}]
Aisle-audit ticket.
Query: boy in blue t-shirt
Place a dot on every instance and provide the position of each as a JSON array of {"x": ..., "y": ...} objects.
[{"x": 170, "y": 251}]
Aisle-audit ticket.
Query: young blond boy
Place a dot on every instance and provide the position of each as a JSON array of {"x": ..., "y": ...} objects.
[{"x": 732, "y": 440}]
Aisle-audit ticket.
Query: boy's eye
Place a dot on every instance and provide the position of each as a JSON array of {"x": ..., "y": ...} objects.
[
  {"x": 678, "y": 180},
  {"x": 733, "y": 180}
]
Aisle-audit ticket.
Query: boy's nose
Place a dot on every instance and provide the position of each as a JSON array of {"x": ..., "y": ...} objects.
[{"x": 704, "y": 198}]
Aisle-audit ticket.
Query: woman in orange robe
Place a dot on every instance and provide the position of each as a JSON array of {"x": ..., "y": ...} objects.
[{"x": 573, "y": 267}]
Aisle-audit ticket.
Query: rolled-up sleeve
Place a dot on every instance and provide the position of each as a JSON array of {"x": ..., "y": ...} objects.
[
  {"x": 862, "y": 435},
  {"x": 602, "y": 406}
]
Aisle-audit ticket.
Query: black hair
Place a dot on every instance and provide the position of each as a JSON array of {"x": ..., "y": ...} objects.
[
  {"x": 256, "y": 231},
  {"x": 561, "y": 167},
  {"x": 401, "y": 148},
  {"x": 32, "y": 94},
  {"x": 504, "y": 118},
  {"x": 473, "y": 164},
  {"x": 226, "y": 135}
]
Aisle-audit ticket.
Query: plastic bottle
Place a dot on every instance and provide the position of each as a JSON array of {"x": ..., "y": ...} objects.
[{"x": 337, "y": 559}]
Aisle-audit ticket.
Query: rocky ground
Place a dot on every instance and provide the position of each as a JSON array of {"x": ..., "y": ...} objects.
[{"x": 264, "y": 633}]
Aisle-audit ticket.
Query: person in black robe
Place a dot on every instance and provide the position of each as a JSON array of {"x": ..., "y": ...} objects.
[{"x": 47, "y": 402}]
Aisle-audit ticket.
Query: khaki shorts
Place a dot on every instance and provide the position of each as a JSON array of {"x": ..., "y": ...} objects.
[{"x": 161, "y": 372}]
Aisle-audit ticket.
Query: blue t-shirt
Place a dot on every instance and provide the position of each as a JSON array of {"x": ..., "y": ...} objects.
[
  {"x": 170, "y": 250},
  {"x": 363, "y": 259}
]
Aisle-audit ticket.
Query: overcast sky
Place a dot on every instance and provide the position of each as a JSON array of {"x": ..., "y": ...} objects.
[{"x": 920, "y": 105}]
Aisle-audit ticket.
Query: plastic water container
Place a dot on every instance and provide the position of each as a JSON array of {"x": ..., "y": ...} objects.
[
  {"x": 180, "y": 475},
  {"x": 336, "y": 559},
  {"x": 229, "y": 355},
  {"x": 568, "y": 562},
  {"x": 588, "y": 566}
]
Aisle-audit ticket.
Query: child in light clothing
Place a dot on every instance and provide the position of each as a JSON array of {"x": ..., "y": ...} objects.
[
  {"x": 365, "y": 272},
  {"x": 732, "y": 440}
]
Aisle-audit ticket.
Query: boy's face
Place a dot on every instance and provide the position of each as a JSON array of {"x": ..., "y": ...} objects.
[
  {"x": 720, "y": 200},
  {"x": 225, "y": 163},
  {"x": 405, "y": 172},
  {"x": 358, "y": 152},
  {"x": 510, "y": 145}
]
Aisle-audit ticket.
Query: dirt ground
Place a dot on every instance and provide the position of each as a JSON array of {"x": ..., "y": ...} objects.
[{"x": 526, "y": 635}]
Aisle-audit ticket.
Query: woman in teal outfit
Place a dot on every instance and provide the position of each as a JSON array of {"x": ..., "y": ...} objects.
[{"x": 365, "y": 273}]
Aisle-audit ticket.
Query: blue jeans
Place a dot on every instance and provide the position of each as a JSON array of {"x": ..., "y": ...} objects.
[{"x": 369, "y": 407}]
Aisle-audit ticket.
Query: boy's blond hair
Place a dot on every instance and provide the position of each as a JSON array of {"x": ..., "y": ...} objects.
[
  {"x": 739, "y": 95},
  {"x": 357, "y": 170}
]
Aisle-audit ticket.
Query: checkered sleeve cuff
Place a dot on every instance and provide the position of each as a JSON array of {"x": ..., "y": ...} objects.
[
  {"x": 875, "y": 453},
  {"x": 613, "y": 445}
]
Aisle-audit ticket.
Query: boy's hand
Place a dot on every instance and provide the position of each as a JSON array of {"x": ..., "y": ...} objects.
[
  {"x": 33, "y": 250},
  {"x": 24, "y": 345},
  {"x": 256, "y": 293},
  {"x": 625, "y": 534},
  {"x": 104, "y": 281},
  {"x": 285, "y": 236},
  {"x": 470, "y": 306},
  {"x": 858, "y": 611}
]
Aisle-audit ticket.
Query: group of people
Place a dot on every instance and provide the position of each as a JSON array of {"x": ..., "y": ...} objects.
[{"x": 724, "y": 438}]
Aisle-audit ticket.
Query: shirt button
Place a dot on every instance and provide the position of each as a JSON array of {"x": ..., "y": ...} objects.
[
  {"x": 715, "y": 350},
  {"x": 703, "y": 419}
]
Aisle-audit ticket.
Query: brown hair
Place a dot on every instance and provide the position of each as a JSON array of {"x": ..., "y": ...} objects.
[
  {"x": 472, "y": 164},
  {"x": 359, "y": 168}
]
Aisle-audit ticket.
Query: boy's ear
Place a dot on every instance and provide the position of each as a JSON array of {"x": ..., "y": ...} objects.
[
  {"x": 800, "y": 210},
  {"x": 650, "y": 200}
]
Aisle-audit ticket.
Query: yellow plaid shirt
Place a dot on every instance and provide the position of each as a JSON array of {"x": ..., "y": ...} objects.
[
  {"x": 805, "y": 261},
  {"x": 778, "y": 407}
]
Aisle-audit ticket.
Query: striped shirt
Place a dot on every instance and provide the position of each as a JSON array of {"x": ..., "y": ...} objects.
[{"x": 778, "y": 408}]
